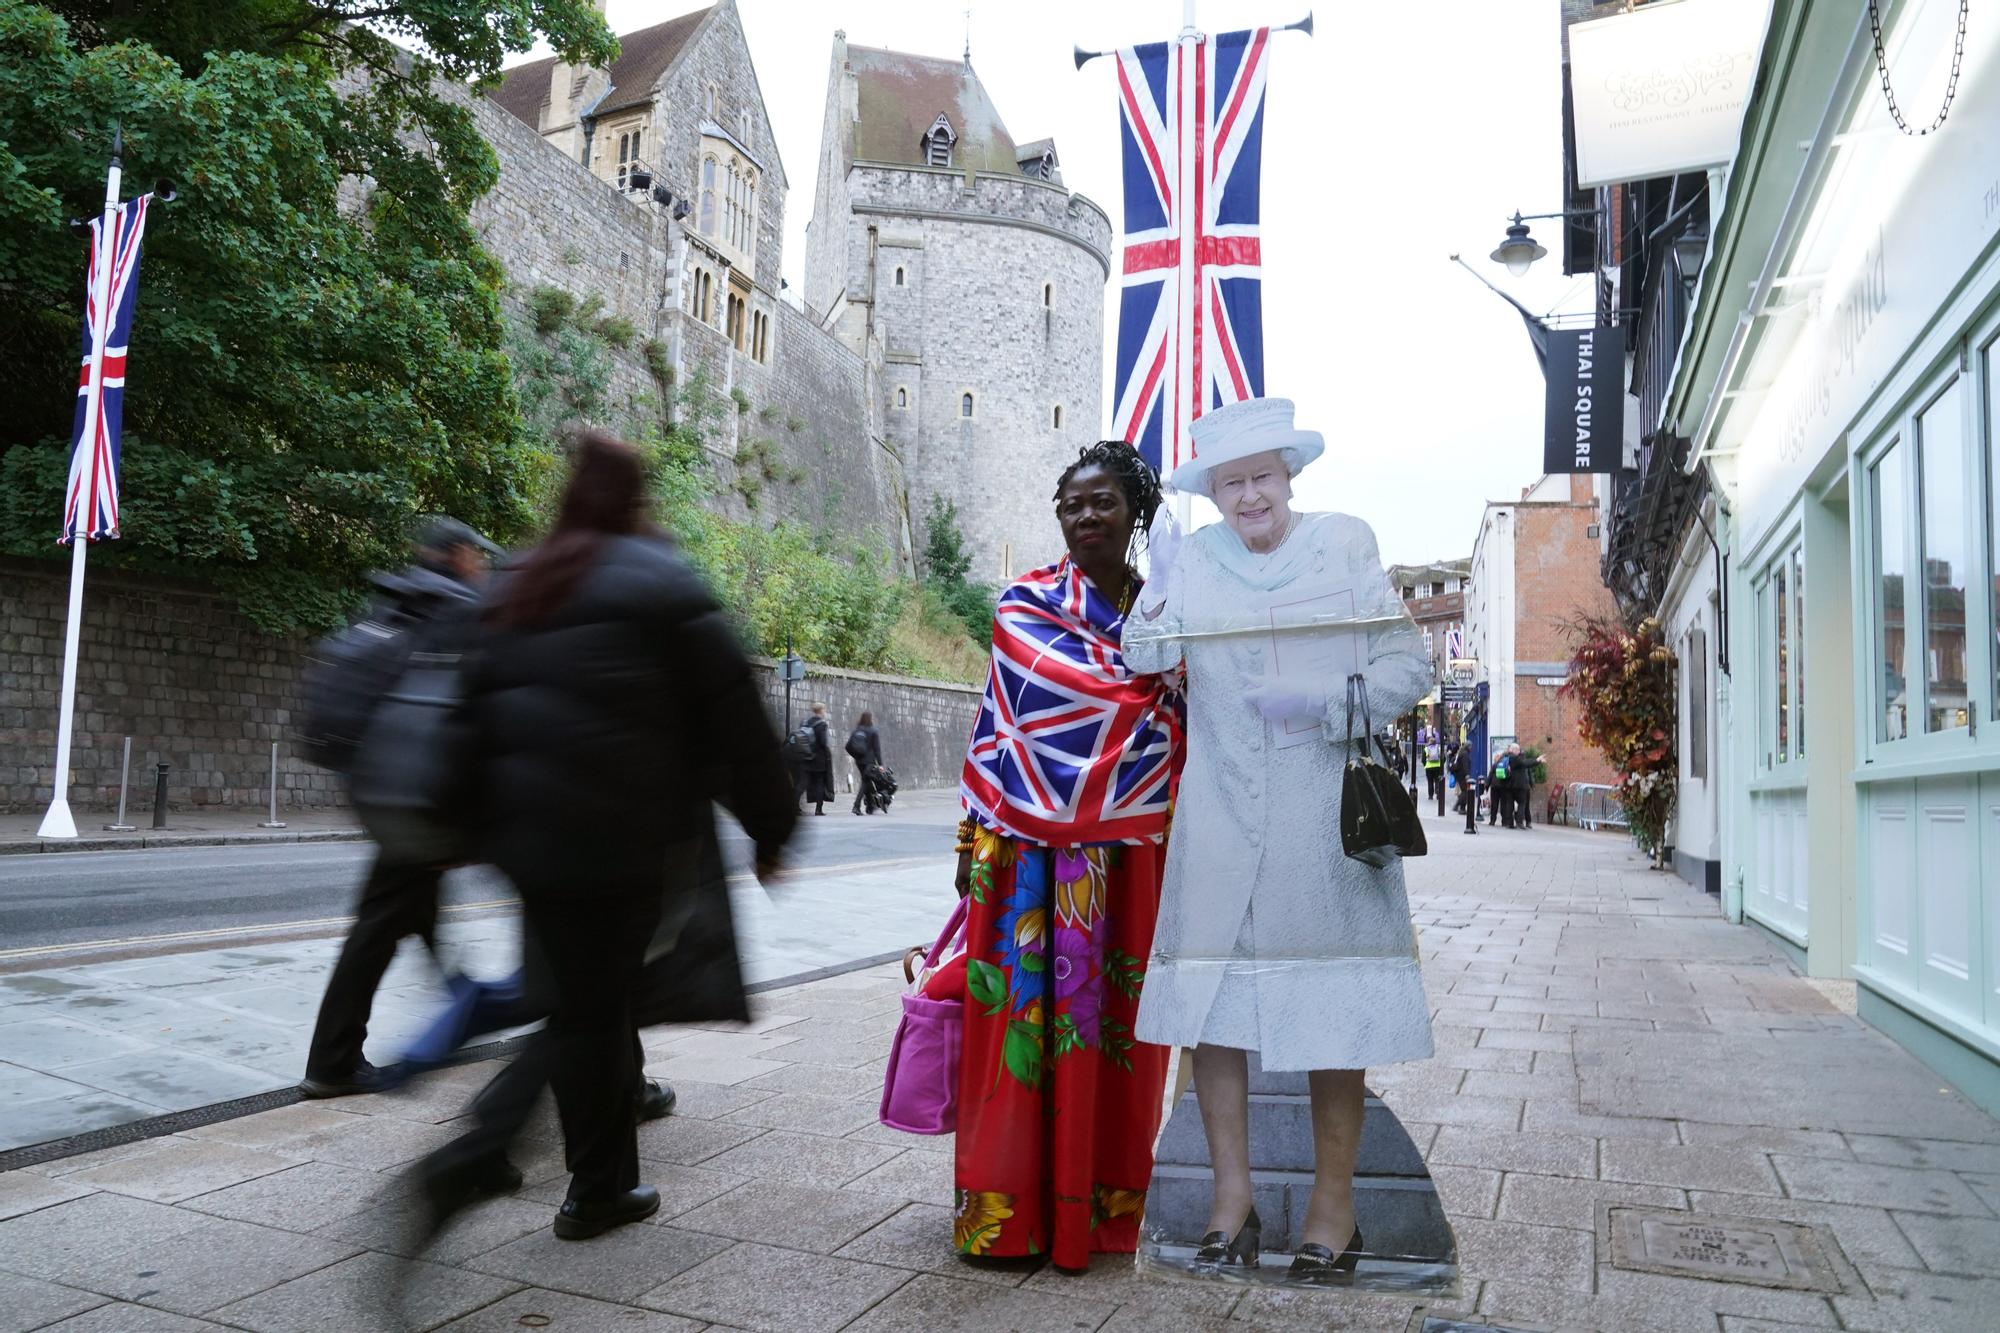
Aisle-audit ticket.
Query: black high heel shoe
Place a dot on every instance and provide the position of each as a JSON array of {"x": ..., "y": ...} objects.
[
  {"x": 1218, "y": 1250},
  {"x": 1316, "y": 1265}
]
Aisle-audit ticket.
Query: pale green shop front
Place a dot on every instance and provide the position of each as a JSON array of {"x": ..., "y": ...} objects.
[{"x": 1842, "y": 379}]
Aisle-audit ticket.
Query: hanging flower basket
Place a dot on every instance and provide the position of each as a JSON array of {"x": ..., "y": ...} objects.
[{"x": 1622, "y": 678}]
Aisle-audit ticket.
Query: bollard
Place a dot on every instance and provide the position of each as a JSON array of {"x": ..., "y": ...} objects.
[
  {"x": 273, "y": 821},
  {"x": 160, "y": 797},
  {"x": 124, "y": 782}
]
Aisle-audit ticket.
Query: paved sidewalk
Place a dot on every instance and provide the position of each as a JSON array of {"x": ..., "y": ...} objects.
[
  {"x": 193, "y": 828},
  {"x": 97, "y": 1044},
  {"x": 1605, "y": 1042}
]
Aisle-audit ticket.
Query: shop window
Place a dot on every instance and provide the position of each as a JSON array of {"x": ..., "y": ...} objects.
[
  {"x": 1799, "y": 652},
  {"x": 1695, "y": 659},
  {"x": 1991, "y": 357},
  {"x": 1941, "y": 490},
  {"x": 1781, "y": 696},
  {"x": 1889, "y": 493}
]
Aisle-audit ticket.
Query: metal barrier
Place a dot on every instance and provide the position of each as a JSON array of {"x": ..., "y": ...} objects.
[{"x": 1594, "y": 805}]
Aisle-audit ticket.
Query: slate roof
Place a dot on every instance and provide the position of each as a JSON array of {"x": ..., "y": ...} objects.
[
  {"x": 898, "y": 98},
  {"x": 643, "y": 56}
]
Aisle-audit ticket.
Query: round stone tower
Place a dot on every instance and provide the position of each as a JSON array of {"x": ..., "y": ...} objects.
[{"x": 959, "y": 258}]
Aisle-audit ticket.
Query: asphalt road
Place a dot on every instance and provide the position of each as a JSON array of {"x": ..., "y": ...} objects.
[{"x": 138, "y": 897}]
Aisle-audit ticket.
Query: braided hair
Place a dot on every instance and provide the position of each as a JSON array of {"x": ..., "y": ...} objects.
[{"x": 1135, "y": 477}]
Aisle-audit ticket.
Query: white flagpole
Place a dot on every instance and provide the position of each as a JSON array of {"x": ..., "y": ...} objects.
[
  {"x": 58, "y": 823},
  {"x": 1185, "y": 389}
]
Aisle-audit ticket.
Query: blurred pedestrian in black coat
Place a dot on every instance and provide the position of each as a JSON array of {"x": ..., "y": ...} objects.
[
  {"x": 864, "y": 747},
  {"x": 613, "y": 705}
]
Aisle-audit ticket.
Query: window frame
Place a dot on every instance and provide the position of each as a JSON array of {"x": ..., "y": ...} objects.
[
  {"x": 1056, "y": 418},
  {"x": 1969, "y": 368},
  {"x": 1778, "y": 566},
  {"x": 968, "y": 405}
]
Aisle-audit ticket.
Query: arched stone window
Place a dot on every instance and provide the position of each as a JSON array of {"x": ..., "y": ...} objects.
[
  {"x": 1056, "y": 421},
  {"x": 902, "y": 397},
  {"x": 965, "y": 405},
  {"x": 1048, "y": 295},
  {"x": 707, "y": 219},
  {"x": 900, "y": 282}
]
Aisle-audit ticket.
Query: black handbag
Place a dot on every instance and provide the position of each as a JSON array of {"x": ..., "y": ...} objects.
[{"x": 1378, "y": 821}]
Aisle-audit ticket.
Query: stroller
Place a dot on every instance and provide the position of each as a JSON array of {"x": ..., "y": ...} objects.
[{"x": 881, "y": 780}]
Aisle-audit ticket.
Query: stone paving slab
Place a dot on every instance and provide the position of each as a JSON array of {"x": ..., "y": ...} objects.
[{"x": 789, "y": 1209}]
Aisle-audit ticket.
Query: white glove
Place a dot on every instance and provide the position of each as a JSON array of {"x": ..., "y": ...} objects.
[
  {"x": 1163, "y": 544},
  {"x": 1280, "y": 699}
]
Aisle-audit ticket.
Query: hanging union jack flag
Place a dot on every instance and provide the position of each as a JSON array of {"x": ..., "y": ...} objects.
[
  {"x": 1206, "y": 190},
  {"x": 114, "y": 269},
  {"x": 1070, "y": 746}
]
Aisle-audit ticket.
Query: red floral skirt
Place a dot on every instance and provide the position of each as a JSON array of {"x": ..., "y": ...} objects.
[{"x": 1058, "y": 1104}]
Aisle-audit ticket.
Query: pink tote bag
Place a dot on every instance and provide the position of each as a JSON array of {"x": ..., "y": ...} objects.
[{"x": 920, "y": 1088}]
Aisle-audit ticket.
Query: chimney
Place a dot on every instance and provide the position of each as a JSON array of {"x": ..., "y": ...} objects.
[{"x": 1583, "y": 488}]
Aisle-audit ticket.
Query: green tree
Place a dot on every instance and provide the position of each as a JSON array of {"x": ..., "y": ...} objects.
[
  {"x": 318, "y": 347},
  {"x": 947, "y": 562}
]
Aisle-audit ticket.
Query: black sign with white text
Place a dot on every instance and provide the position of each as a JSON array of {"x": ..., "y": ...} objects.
[{"x": 1584, "y": 430}]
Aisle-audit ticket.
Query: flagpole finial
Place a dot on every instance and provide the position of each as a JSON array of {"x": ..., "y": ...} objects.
[{"x": 117, "y": 143}]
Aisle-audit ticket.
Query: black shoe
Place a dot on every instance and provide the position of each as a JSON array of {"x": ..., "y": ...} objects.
[
  {"x": 656, "y": 1099},
  {"x": 1316, "y": 1265},
  {"x": 1219, "y": 1251},
  {"x": 580, "y": 1219},
  {"x": 364, "y": 1077}
]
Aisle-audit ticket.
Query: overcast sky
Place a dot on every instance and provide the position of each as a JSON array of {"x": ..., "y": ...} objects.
[{"x": 1398, "y": 134}]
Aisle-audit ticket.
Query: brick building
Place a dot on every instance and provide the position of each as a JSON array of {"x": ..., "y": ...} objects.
[
  {"x": 1535, "y": 567},
  {"x": 1435, "y": 597}
]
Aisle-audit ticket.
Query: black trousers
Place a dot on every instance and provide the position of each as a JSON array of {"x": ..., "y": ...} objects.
[
  {"x": 397, "y": 899},
  {"x": 595, "y": 949},
  {"x": 1434, "y": 779}
]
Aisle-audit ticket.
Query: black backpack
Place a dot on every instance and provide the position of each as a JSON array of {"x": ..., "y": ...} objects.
[
  {"x": 857, "y": 744},
  {"x": 346, "y": 676},
  {"x": 799, "y": 745}
]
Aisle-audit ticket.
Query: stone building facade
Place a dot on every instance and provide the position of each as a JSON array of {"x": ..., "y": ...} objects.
[{"x": 979, "y": 277}]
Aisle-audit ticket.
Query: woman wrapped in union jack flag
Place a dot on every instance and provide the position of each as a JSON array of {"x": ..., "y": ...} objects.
[{"x": 1066, "y": 784}]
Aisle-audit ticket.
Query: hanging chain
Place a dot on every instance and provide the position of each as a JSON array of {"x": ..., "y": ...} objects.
[{"x": 1882, "y": 66}]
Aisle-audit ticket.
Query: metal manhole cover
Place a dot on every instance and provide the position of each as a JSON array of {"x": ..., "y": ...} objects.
[{"x": 1750, "y": 1250}]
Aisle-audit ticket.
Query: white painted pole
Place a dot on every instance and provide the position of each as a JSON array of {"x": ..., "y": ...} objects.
[
  {"x": 124, "y": 784},
  {"x": 273, "y": 821},
  {"x": 1184, "y": 210},
  {"x": 58, "y": 823}
]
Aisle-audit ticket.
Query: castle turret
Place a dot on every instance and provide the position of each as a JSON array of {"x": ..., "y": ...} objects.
[{"x": 982, "y": 279}]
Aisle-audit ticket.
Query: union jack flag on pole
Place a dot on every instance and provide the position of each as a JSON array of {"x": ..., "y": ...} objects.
[
  {"x": 1191, "y": 311},
  {"x": 90, "y": 503}
]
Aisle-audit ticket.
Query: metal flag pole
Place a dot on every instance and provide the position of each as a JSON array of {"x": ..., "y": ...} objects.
[{"x": 58, "y": 823}]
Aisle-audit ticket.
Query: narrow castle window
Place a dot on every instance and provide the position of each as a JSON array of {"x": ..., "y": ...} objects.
[
  {"x": 899, "y": 276},
  {"x": 902, "y": 397},
  {"x": 965, "y": 406},
  {"x": 1048, "y": 295},
  {"x": 707, "y": 223},
  {"x": 1058, "y": 417}
]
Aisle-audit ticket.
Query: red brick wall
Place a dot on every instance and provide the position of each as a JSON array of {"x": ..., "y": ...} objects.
[{"x": 1556, "y": 578}]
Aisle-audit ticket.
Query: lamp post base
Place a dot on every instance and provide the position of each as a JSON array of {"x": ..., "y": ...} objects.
[{"x": 57, "y": 822}]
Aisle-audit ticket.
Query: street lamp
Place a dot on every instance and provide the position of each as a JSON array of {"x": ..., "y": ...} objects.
[{"x": 1519, "y": 250}]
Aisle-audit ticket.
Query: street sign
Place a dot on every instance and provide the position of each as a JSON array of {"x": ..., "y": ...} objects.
[
  {"x": 1459, "y": 694},
  {"x": 791, "y": 667},
  {"x": 1583, "y": 426}
]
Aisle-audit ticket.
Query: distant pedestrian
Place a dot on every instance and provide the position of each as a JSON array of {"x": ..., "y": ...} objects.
[
  {"x": 1501, "y": 809},
  {"x": 1521, "y": 772},
  {"x": 818, "y": 768},
  {"x": 426, "y": 608},
  {"x": 1431, "y": 741},
  {"x": 864, "y": 747},
  {"x": 612, "y": 705},
  {"x": 1468, "y": 788}
]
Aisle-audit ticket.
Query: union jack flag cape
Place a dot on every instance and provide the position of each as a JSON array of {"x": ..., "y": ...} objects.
[
  {"x": 114, "y": 241},
  {"x": 1070, "y": 746},
  {"x": 1226, "y": 341}
]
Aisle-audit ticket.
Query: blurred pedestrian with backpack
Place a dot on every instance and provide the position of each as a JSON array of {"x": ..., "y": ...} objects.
[
  {"x": 422, "y": 618},
  {"x": 818, "y": 767},
  {"x": 864, "y": 747}
]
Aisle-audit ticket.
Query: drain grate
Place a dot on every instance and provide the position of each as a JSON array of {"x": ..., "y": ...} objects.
[{"x": 1750, "y": 1250}]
